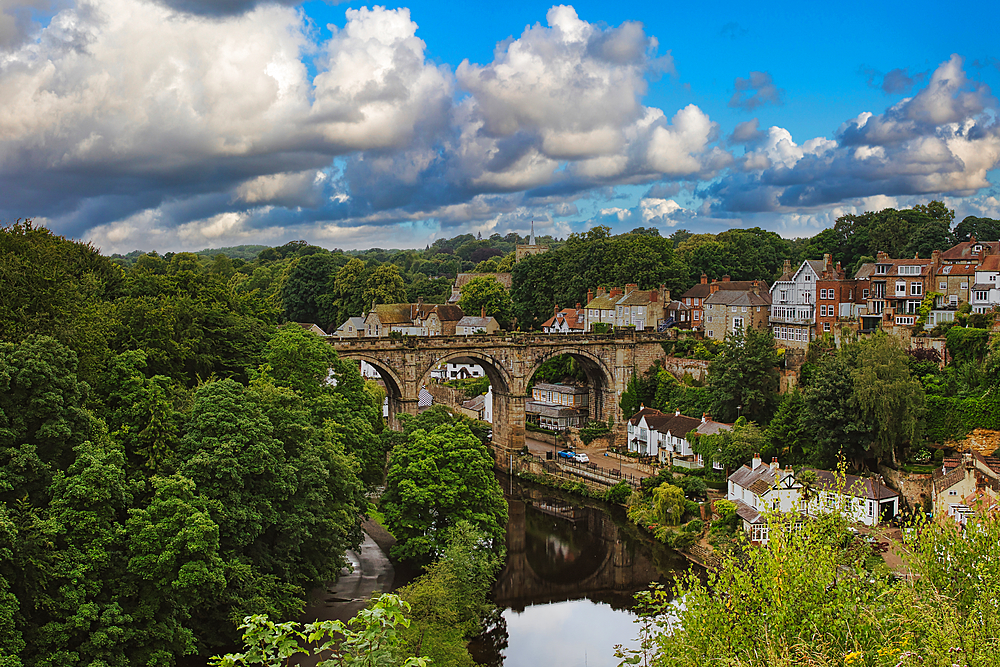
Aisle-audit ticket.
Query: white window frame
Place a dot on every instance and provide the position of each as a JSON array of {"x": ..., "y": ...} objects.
[{"x": 916, "y": 289}]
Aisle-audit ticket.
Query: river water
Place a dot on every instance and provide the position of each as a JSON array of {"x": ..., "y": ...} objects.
[
  {"x": 565, "y": 595},
  {"x": 566, "y": 592}
]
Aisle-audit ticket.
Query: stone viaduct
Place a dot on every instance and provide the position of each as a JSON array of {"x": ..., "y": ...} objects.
[{"x": 509, "y": 361}]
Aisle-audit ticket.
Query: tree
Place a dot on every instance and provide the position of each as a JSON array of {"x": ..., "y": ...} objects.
[
  {"x": 788, "y": 435},
  {"x": 385, "y": 285},
  {"x": 436, "y": 479},
  {"x": 984, "y": 229},
  {"x": 303, "y": 293},
  {"x": 832, "y": 413},
  {"x": 670, "y": 503},
  {"x": 888, "y": 396},
  {"x": 345, "y": 294},
  {"x": 743, "y": 377},
  {"x": 486, "y": 294},
  {"x": 731, "y": 448}
]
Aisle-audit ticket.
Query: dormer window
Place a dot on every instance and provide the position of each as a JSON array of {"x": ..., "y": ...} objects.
[
  {"x": 881, "y": 269},
  {"x": 977, "y": 248}
]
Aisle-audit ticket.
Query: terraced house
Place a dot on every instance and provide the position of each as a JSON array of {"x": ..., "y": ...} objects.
[{"x": 735, "y": 305}]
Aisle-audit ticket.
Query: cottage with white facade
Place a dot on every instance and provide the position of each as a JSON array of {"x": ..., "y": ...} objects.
[{"x": 666, "y": 436}]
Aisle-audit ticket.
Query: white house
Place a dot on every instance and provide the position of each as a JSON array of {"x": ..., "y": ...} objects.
[
  {"x": 759, "y": 488},
  {"x": 457, "y": 371},
  {"x": 665, "y": 436},
  {"x": 567, "y": 320},
  {"x": 793, "y": 302},
  {"x": 985, "y": 292}
]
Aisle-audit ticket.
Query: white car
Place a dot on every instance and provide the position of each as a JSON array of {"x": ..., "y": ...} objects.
[{"x": 581, "y": 458}]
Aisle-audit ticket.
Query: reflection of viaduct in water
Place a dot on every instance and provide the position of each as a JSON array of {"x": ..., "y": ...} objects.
[{"x": 557, "y": 552}]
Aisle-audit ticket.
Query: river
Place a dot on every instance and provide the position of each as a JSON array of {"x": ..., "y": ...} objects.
[{"x": 565, "y": 595}]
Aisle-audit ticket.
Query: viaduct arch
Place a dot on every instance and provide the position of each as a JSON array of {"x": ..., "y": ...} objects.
[{"x": 509, "y": 361}]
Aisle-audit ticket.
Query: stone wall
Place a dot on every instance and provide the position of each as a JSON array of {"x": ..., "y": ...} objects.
[
  {"x": 911, "y": 486},
  {"x": 698, "y": 368},
  {"x": 445, "y": 395}
]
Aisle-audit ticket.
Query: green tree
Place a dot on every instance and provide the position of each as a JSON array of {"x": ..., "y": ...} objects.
[
  {"x": 436, "y": 479},
  {"x": 486, "y": 294},
  {"x": 304, "y": 292},
  {"x": 743, "y": 377},
  {"x": 731, "y": 448},
  {"x": 888, "y": 396},
  {"x": 984, "y": 229},
  {"x": 832, "y": 414},
  {"x": 788, "y": 435},
  {"x": 385, "y": 285},
  {"x": 345, "y": 296},
  {"x": 669, "y": 502}
]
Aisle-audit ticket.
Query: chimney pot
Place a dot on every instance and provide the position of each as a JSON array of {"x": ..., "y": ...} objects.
[
  {"x": 725, "y": 278},
  {"x": 704, "y": 279},
  {"x": 482, "y": 311},
  {"x": 756, "y": 462},
  {"x": 774, "y": 464},
  {"x": 578, "y": 306},
  {"x": 677, "y": 413}
]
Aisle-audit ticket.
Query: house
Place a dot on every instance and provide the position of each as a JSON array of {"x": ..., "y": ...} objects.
[
  {"x": 462, "y": 279},
  {"x": 474, "y": 407},
  {"x": 567, "y": 320},
  {"x": 353, "y": 327},
  {"x": 631, "y": 307},
  {"x": 694, "y": 299},
  {"x": 313, "y": 328},
  {"x": 837, "y": 303},
  {"x": 470, "y": 325},
  {"x": 532, "y": 248},
  {"x": 457, "y": 371},
  {"x": 894, "y": 289},
  {"x": 733, "y": 305},
  {"x": 558, "y": 406},
  {"x": 970, "y": 252},
  {"x": 759, "y": 488},
  {"x": 793, "y": 303},
  {"x": 665, "y": 436},
  {"x": 986, "y": 289},
  {"x": 600, "y": 308},
  {"x": 966, "y": 485},
  {"x": 412, "y": 319}
]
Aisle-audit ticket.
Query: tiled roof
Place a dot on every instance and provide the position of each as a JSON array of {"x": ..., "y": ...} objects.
[
  {"x": 958, "y": 269},
  {"x": 748, "y": 514},
  {"x": 816, "y": 265},
  {"x": 639, "y": 297},
  {"x": 645, "y": 412},
  {"x": 699, "y": 291},
  {"x": 741, "y": 285},
  {"x": 575, "y": 319},
  {"x": 449, "y": 313},
  {"x": 677, "y": 305},
  {"x": 991, "y": 263},
  {"x": 963, "y": 251},
  {"x": 746, "y": 476},
  {"x": 551, "y": 409},
  {"x": 711, "y": 427},
  {"x": 678, "y": 425},
  {"x": 476, "y": 403}
]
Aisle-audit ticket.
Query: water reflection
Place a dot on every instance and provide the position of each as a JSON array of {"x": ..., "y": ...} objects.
[{"x": 567, "y": 588}]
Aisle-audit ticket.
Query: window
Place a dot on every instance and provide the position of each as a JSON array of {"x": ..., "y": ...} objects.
[
  {"x": 784, "y": 295},
  {"x": 952, "y": 299},
  {"x": 808, "y": 277},
  {"x": 822, "y": 294},
  {"x": 822, "y": 311},
  {"x": 711, "y": 334},
  {"x": 826, "y": 326},
  {"x": 964, "y": 286},
  {"x": 916, "y": 289},
  {"x": 696, "y": 314},
  {"x": 733, "y": 309},
  {"x": 909, "y": 270},
  {"x": 744, "y": 309},
  {"x": 900, "y": 288},
  {"x": 877, "y": 307},
  {"x": 942, "y": 286},
  {"x": 864, "y": 294},
  {"x": 982, "y": 296},
  {"x": 904, "y": 321},
  {"x": 881, "y": 269},
  {"x": 709, "y": 317},
  {"x": 737, "y": 323},
  {"x": 687, "y": 301}
]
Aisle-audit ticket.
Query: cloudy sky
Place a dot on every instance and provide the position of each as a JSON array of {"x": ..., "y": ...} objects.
[{"x": 186, "y": 124}]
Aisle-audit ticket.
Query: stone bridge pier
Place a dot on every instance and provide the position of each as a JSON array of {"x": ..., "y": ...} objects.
[{"x": 509, "y": 360}]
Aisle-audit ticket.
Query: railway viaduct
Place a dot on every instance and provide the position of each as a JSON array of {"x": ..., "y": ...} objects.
[{"x": 509, "y": 361}]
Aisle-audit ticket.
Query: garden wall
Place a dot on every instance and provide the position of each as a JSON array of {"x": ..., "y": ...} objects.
[{"x": 912, "y": 486}]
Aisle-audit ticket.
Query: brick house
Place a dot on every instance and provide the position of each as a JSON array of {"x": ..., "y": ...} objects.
[
  {"x": 734, "y": 305},
  {"x": 694, "y": 299}
]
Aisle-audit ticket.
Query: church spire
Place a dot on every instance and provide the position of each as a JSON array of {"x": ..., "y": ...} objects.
[{"x": 531, "y": 241}]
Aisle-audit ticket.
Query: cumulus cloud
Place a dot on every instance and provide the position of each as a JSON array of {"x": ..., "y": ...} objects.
[
  {"x": 755, "y": 91},
  {"x": 746, "y": 133},
  {"x": 944, "y": 139}
]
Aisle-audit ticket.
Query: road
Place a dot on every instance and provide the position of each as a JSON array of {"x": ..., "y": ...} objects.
[{"x": 595, "y": 452}]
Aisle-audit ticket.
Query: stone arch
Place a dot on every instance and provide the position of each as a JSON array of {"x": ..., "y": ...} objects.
[
  {"x": 600, "y": 378},
  {"x": 500, "y": 377},
  {"x": 395, "y": 387}
]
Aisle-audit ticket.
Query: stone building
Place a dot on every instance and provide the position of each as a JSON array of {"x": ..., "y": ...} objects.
[
  {"x": 532, "y": 248},
  {"x": 727, "y": 309},
  {"x": 412, "y": 319}
]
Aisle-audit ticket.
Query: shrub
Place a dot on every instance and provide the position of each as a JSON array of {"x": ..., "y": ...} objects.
[
  {"x": 683, "y": 539},
  {"x": 694, "y": 526},
  {"x": 618, "y": 494}
]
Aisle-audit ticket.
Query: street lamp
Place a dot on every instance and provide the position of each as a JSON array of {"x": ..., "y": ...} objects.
[{"x": 739, "y": 410}]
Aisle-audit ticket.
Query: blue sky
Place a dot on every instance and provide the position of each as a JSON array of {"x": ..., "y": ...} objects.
[{"x": 184, "y": 124}]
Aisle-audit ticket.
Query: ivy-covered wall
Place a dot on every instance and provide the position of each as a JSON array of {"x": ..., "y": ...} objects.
[{"x": 954, "y": 418}]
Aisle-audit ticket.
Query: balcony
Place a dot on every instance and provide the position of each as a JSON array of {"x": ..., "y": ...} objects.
[{"x": 804, "y": 313}]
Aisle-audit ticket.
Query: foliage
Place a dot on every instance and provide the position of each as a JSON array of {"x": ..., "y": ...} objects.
[
  {"x": 967, "y": 344},
  {"x": 672, "y": 394},
  {"x": 731, "y": 448},
  {"x": 618, "y": 494},
  {"x": 788, "y": 436},
  {"x": 562, "y": 368},
  {"x": 832, "y": 414},
  {"x": 743, "y": 378},
  {"x": 803, "y": 599},
  {"x": 595, "y": 429},
  {"x": 668, "y": 500},
  {"x": 486, "y": 295},
  {"x": 370, "y": 638},
  {"x": 385, "y": 285},
  {"x": 437, "y": 478},
  {"x": 887, "y": 395}
]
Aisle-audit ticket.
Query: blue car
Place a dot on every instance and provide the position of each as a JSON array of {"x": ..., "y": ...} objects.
[{"x": 567, "y": 454}]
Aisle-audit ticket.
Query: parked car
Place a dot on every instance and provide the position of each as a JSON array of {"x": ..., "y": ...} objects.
[
  {"x": 567, "y": 454},
  {"x": 582, "y": 458}
]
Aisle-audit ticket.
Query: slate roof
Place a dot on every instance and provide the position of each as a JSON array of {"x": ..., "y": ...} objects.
[
  {"x": 699, "y": 291},
  {"x": 859, "y": 487},
  {"x": 551, "y": 409},
  {"x": 475, "y": 322},
  {"x": 638, "y": 297},
  {"x": 741, "y": 298},
  {"x": 867, "y": 270},
  {"x": 747, "y": 513},
  {"x": 561, "y": 388},
  {"x": 645, "y": 412},
  {"x": 678, "y": 425},
  {"x": 762, "y": 478},
  {"x": 394, "y": 313},
  {"x": 476, "y": 403},
  {"x": 448, "y": 313}
]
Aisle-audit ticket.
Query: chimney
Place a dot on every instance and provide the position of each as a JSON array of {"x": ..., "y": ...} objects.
[
  {"x": 615, "y": 291},
  {"x": 704, "y": 417},
  {"x": 839, "y": 270},
  {"x": 482, "y": 312},
  {"x": 756, "y": 462},
  {"x": 972, "y": 238},
  {"x": 725, "y": 278},
  {"x": 704, "y": 279},
  {"x": 786, "y": 267},
  {"x": 827, "y": 262},
  {"x": 578, "y": 306},
  {"x": 590, "y": 295},
  {"x": 881, "y": 256},
  {"x": 666, "y": 293},
  {"x": 420, "y": 304},
  {"x": 935, "y": 264},
  {"x": 555, "y": 309},
  {"x": 654, "y": 296},
  {"x": 677, "y": 413},
  {"x": 714, "y": 287},
  {"x": 631, "y": 287},
  {"x": 774, "y": 464}
]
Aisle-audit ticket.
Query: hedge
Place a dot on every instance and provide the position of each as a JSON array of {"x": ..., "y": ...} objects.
[{"x": 953, "y": 418}]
